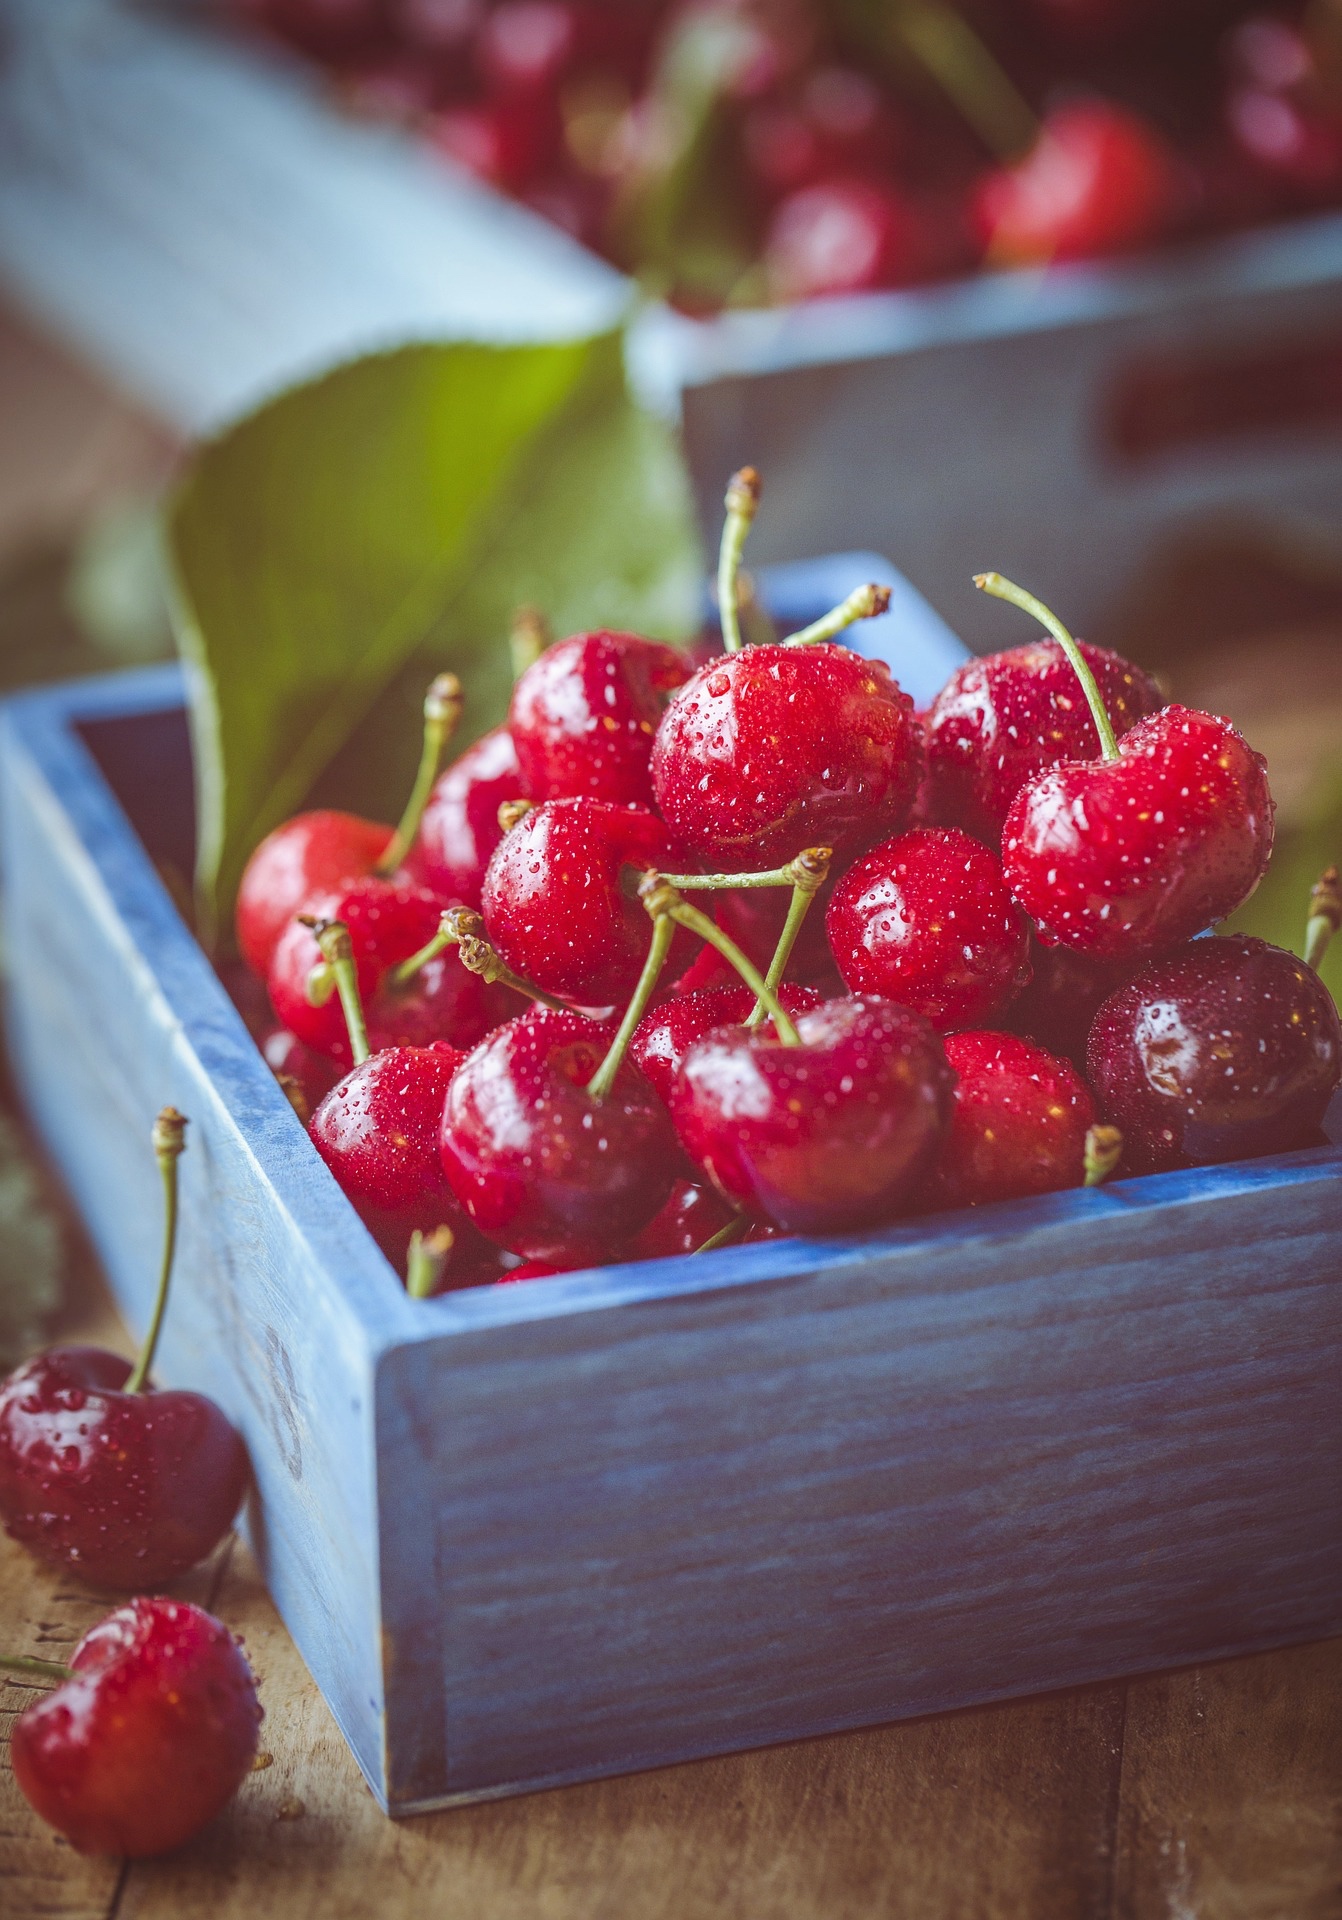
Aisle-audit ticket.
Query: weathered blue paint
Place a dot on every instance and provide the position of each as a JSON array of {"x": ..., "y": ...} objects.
[{"x": 608, "y": 1520}]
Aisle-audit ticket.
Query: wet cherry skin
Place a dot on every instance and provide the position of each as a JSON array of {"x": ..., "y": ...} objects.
[
  {"x": 774, "y": 749},
  {"x": 831, "y": 1135},
  {"x": 1227, "y": 1049},
  {"x": 559, "y": 898},
  {"x": 149, "y": 1740},
  {"x": 926, "y": 920},
  {"x": 692, "y": 1214},
  {"x": 584, "y": 714},
  {"x": 1123, "y": 859},
  {"x": 1062, "y": 998},
  {"x": 1098, "y": 180},
  {"x": 543, "y": 1169},
  {"x": 667, "y": 1031},
  {"x": 1018, "y": 1125},
  {"x": 312, "y": 853},
  {"x": 460, "y": 824},
  {"x": 388, "y": 921},
  {"x": 1007, "y": 718},
  {"x": 125, "y": 1489}
]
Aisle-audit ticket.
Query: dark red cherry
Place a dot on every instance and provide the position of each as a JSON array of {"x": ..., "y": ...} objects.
[
  {"x": 559, "y": 898},
  {"x": 1227, "y": 1049},
  {"x": 288, "y": 1059},
  {"x": 1062, "y": 998},
  {"x": 312, "y": 853},
  {"x": 150, "y": 1737},
  {"x": 667, "y": 1031},
  {"x": 775, "y": 749},
  {"x": 540, "y": 1166},
  {"x": 754, "y": 917},
  {"x": 124, "y": 1489},
  {"x": 1018, "y": 1125},
  {"x": 926, "y": 920},
  {"x": 1098, "y": 180},
  {"x": 460, "y": 827},
  {"x": 1120, "y": 859},
  {"x": 833, "y": 1134},
  {"x": 691, "y": 1215},
  {"x": 1006, "y": 719},
  {"x": 843, "y": 235},
  {"x": 584, "y": 715}
]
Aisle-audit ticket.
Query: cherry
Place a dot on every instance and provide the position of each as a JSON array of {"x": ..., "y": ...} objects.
[
  {"x": 925, "y": 920},
  {"x": 542, "y": 1166},
  {"x": 298, "y": 1068},
  {"x": 755, "y": 919},
  {"x": 830, "y": 1132},
  {"x": 1121, "y": 857},
  {"x": 1224, "y": 1050},
  {"x": 460, "y": 826},
  {"x": 584, "y": 714},
  {"x": 99, "y": 1472},
  {"x": 554, "y": 902},
  {"x": 525, "y": 46},
  {"x": 691, "y": 1215},
  {"x": 843, "y": 235},
  {"x": 839, "y": 122},
  {"x": 1018, "y": 1125},
  {"x": 1063, "y": 997},
  {"x": 149, "y": 1736},
  {"x": 665, "y": 1034},
  {"x": 1097, "y": 180},
  {"x": 1003, "y": 720}
]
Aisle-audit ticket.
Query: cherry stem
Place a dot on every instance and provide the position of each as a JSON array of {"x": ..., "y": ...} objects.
[
  {"x": 426, "y": 1261},
  {"x": 528, "y": 638},
  {"x": 863, "y": 603},
  {"x": 948, "y": 47},
  {"x": 725, "y": 1235},
  {"x": 1325, "y": 917},
  {"x": 442, "y": 716},
  {"x": 688, "y": 882},
  {"x": 1104, "y": 1150},
  {"x": 809, "y": 871},
  {"x": 455, "y": 925},
  {"x": 1001, "y": 589},
  {"x": 292, "y": 1090},
  {"x": 29, "y": 1663},
  {"x": 464, "y": 928},
  {"x": 742, "y": 503},
  {"x": 169, "y": 1138},
  {"x": 512, "y": 812},
  {"x": 332, "y": 937},
  {"x": 660, "y": 897},
  {"x": 663, "y": 933}
]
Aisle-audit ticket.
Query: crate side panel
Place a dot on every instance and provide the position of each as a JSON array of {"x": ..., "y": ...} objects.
[
  {"x": 944, "y": 1475},
  {"x": 97, "y": 1049}
]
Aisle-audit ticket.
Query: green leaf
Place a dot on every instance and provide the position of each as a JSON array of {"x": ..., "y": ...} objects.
[{"x": 333, "y": 551}]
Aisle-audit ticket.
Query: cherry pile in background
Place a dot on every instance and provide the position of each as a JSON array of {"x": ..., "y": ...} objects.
[
  {"x": 740, "y": 151},
  {"x": 693, "y": 951}
]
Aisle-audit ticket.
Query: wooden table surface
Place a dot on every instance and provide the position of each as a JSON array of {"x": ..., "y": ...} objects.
[{"x": 1210, "y": 1794}]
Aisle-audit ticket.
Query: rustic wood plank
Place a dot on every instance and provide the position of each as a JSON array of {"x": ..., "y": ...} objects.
[{"x": 1232, "y": 1791}]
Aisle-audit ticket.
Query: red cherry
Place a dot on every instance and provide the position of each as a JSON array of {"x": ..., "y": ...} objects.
[
  {"x": 583, "y": 716},
  {"x": 839, "y": 121},
  {"x": 508, "y": 142},
  {"x": 1003, "y": 720},
  {"x": 778, "y": 748},
  {"x": 1018, "y": 1125},
  {"x": 149, "y": 1739},
  {"x": 1119, "y": 859},
  {"x": 829, "y": 1135},
  {"x": 540, "y": 1166},
  {"x": 1063, "y": 997},
  {"x": 926, "y": 920},
  {"x": 841, "y": 236},
  {"x": 555, "y": 904},
  {"x": 525, "y": 46},
  {"x": 289, "y": 1059},
  {"x": 312, "y": 853},
  {"x": 125, "y": 1489},
  {"x": 754, "y": 918},
  {"x": 460, "y": 828},
  {"x": 691, "y": 1215},
  {"x": 1098, "y": 180},
  {"x": 667, "y": 1032},
  {"x": 1224, "y": 1050}
]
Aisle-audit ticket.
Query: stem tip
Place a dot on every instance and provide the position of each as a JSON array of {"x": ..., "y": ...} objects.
[
  {"x": 169, "y": 1133},
  {"x": 1104, "y": 1150}
]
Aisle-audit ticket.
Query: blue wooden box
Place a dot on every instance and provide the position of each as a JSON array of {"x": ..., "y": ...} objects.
[{"x": 600, "y": 1522}]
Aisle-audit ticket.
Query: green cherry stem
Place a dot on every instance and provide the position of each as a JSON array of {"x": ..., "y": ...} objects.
[
  {"x": 332, "y": 937},
  {"x": 455, "y": 925},
  {"x": 663, "y": 933},
  {"x": 426, "y": 1260},
  {"x": 528, "y": 637},
  {"x": 863, "y": 603},
  {"x": 809, "y": 872},
  {"x": 689, "y": 882},
  {"x": 1325, "y": 917},
  {"x": 29, "y": 1663},
  {"x": 169, "y": 1138},
  {"x": 1104, "y": 1150},
  {"x": 1002, "y": 589},
  {"x": 981, "y": 91},
  {"x": 725, "y": 1235},
  {"x": 477, "y": 956},
  {"x": 442, "y": 716},
  {"x": 660, "y": 897},
  {"x": 742, "y": 503}
]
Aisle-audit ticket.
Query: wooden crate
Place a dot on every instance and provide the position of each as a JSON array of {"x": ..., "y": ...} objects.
[{"x": 600, "y": 1522}]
